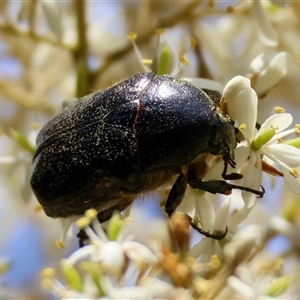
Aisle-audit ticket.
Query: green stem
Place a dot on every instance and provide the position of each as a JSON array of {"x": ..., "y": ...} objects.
[{"x": 82, "y": 86}]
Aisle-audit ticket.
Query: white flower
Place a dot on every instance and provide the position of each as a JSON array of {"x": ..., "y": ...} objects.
[
  {"x": 241, "y": 102},
  {"x": 265, "y": 143},
  {"x": 167, "y": 58},
  {"x": 112, "y": 254},
  {"x": 112, "y": 261}
]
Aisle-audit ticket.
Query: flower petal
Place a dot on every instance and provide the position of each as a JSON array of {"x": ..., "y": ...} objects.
[
  {"x": 207, "y": 214},
  {"x": 54, "y": 17},
  {"x": 139, "y": 253},
  {"x": 282, "y": 152},
  {"x": 81, "y": 254},
  {"x": 252, "y": 178},
  {"x": 265, "y": 31},
  {"x": 7, "y": 160},
  {"x": 242, "y": 243},
  {"x": 278, "y": 121},
  {"x": 205, "y": 249},
  {"x": 247, "y": 112},
  {"x": 66, "y": 225},
  {"x": 241, "y": 288},
  {"x": 237, "y": 217},
  {"x": 284, "y": 227},
  {"x": 286, "y": 134},
  {"x": 222, "y": 215},
  {"x": 241, "y": 154},
  {"x": 290, "y": 180},
  {"x": 273, "y": 73},
  {"x": 268, "y": 59},
  {"x": 230, "y": 92}
]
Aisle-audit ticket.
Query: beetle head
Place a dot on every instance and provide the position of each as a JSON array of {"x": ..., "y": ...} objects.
[{"x": 222, "y": 137}]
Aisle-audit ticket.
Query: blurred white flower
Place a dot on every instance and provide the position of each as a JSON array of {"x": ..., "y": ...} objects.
[
  {"x": 206, "y": 83},
  {"x": 112, "y": 253},
  {"x": 243, "y": 243},
  {"x": 267, "y": 69},
  {"x": 264, "y": 29},
  {"x": 261, "y": 278},
  {"x": 111, "y": 260},
  {"x": 150, "y": 288},
  {"x": 166, "y": 60},
  {"x": 21, "y": 161}
]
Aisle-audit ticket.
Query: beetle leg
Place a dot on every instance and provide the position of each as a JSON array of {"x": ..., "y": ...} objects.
[
  {"x": 231, "y": 176},
  {"x": 218, "y": 186},
  {"x": 174, "y": 199},
  {"x": 217, "y": 235},
  {"x": 82, "y": 238},
  {"x": 213, "y": 187},
  {"x": 176, "y": 194}
]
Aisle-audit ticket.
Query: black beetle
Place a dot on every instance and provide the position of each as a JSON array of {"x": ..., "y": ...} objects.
[{"x": 108, "y": 147}]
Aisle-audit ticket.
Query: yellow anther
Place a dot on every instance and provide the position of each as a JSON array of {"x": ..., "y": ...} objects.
[
  {"x": 294, "y": 173},
  {"x": 184, "y": 61},
  {"x": 83, "y": 222},
  {"x": 279, "y": 109},
  {"x": 59, "y": 244},
  {"x": 242, "y": 127},
  {"x": 132, "y": 36},
  {"x": 146, "y": 61}
]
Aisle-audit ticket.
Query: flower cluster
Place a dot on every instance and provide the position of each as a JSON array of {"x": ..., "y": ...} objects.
[
  {"x": 112, "y": 265},
  {"x": 244, "y": 246}
]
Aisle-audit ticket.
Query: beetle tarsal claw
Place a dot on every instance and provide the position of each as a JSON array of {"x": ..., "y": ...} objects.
[{"x": 217, "y": 235}]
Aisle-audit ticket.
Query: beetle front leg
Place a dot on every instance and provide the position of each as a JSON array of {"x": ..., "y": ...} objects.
[
  {"x": 213, "y": 187},
  {"x": 218, "y": 186}
]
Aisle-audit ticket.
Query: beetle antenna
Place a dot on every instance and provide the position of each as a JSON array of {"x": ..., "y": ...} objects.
[{"x": 231, "y": 162}]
